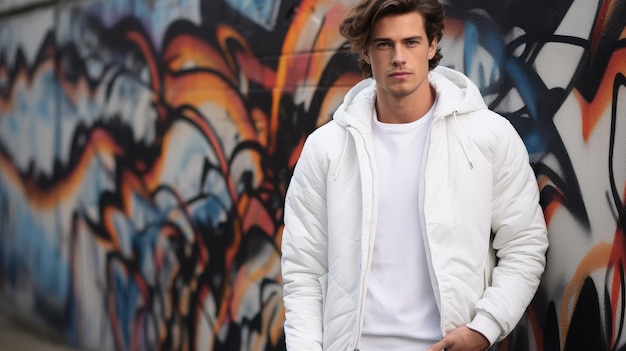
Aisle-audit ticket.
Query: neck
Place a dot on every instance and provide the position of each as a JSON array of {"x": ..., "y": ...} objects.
[{"x": 404, "y": 109}]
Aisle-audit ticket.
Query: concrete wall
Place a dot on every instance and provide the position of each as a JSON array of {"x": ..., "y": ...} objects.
[{"x": 146, "y": 145}]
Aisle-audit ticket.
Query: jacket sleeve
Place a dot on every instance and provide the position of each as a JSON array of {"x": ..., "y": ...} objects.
[
  {"x": 520, "y": 239},
  {"x": 304, "y": 252}
]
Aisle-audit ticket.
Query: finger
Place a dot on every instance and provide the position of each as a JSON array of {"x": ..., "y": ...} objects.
[{"x": 440, "y": 346}]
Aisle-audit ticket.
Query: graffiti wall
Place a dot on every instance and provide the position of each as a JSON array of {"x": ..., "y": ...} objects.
[{"x": 146, "y": 146}]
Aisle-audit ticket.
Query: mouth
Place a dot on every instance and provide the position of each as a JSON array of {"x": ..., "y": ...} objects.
[{"x": 399, "y": 74}]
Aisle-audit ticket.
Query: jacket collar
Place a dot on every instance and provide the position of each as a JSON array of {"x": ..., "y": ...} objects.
[{"x": 455, "y": 94}]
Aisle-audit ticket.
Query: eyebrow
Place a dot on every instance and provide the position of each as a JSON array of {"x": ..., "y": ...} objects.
[{"x": 415, "y": 37}]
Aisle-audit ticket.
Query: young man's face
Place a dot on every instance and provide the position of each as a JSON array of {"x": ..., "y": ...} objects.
[{"x": 399, "y": 54}]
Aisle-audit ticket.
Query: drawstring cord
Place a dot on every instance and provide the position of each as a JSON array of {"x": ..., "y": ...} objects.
[{"x": 456, "y": 126}]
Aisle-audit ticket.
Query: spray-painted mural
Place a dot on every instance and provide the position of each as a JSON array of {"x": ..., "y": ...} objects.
[{"x": 146, "y": 146}]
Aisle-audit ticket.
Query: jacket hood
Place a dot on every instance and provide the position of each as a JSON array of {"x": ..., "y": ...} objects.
[{"x": 455, "y": 93}]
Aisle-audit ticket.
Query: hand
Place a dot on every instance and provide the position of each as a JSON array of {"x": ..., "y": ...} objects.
[{"x": 461, "y": 339}]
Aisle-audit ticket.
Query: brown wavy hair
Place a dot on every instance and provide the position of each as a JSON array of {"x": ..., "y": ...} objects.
[{"x": 357, "y": 27}]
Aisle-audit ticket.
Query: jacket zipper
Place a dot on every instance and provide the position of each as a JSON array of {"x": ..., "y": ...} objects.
[
  {"x": 433, "y": 280},
  {"x": 370, "y": 229}
]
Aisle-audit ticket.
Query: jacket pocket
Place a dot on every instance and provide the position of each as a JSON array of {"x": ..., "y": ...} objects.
[
  {"x": 324, "y": 285},
  {"x": 491, "y": 263},
  {"x": 339, "y": 318}
]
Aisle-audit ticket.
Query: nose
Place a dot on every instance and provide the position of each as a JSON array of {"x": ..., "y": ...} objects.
[{"x": 398, "y": 56}]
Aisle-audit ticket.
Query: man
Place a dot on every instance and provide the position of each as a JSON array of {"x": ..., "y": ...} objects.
[{"x": 397, "y": 206}]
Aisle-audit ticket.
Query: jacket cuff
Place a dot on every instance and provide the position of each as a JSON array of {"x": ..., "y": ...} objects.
[{"x": 486, "y": 326}]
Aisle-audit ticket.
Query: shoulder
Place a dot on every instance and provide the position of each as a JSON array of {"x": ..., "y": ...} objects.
[
  {"x": 330, "y": 128},
  {"x": 322, "y": 146},
  {"x": 326, "y": 137},
  {"x": 485, "y": 123},
  {"x": 492, "y": 133}
]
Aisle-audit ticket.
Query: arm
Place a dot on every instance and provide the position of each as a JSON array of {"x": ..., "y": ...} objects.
[
  {"x": 304, "y": 253},
  {"x": 520, "y": 240}
]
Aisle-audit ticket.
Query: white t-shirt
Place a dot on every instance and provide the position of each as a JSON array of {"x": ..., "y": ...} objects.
[{"x": 400, "y": 312}]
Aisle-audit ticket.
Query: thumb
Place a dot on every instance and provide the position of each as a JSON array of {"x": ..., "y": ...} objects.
[{"x": 440, "y": 346}]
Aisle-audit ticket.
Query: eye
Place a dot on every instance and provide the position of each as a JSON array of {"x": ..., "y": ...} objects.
[
  {"x": 412, "y": 42},
  {"x": 383, "y": 44}
]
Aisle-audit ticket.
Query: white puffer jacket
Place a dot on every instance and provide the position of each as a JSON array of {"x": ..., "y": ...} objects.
[{"x": 479, "y": 196}]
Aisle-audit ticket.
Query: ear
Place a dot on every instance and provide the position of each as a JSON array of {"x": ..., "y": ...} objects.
[
  {"x": 432, "y": 48},
  {"x": 365, "y": 55}
]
